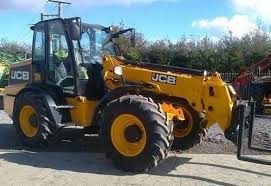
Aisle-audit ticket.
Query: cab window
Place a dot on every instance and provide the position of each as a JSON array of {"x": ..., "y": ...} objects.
[
  {"x": 39, "y": 43},
  {"x": 61, "y": 69}
]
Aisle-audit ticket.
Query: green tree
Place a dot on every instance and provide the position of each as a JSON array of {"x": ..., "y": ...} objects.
[{"x": 10, "y": 52}]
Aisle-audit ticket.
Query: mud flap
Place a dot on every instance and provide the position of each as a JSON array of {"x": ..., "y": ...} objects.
[{"x": 247, "y": 143}]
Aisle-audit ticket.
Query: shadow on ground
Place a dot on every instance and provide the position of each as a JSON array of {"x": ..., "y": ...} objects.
[
  {"x": 92, "y": 162},
  {"x": 9, "y": 140},
  {"x": 96, "y": 163}
]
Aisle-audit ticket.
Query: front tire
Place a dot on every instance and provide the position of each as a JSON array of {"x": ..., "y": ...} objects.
[
  {"x": 136, "y": 133},
  {"x": 31, "y": 120}
]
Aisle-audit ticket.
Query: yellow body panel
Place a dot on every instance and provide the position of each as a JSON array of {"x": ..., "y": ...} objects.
[
  {"x": 9, "y": 97},
  {"x": 82, "y": 113},
  {"x": 172, "y": 112},
  {"x": 267, "y": 105},
  {"x": 267, "y": 101},
  {"x": 267, "y": 111},
  {"x": 14, "y": 89},
  {"x": 218, "y": 108},
  {"x": 8, "y": 104},
  {"x": 206, "y": 94}
]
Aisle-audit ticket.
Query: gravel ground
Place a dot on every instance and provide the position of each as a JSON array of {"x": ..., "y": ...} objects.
[
  {"x": 263, "y": 130},
  {"x": 66, "y": 163},
  {"x": 45, "y": 168},
  {"x": 213, "y": 143}
]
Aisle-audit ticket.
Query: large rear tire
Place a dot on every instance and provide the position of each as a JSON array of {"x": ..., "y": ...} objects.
[
  {"x": 136, "y": 133},
  {"x": 187, "y": 133},
  {"x": 31, "y": 120}
]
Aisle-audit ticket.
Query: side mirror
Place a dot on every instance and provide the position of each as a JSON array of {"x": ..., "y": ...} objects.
[{"x": 75, "y": 31}]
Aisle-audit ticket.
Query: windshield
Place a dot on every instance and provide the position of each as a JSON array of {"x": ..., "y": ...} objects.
[{"x": 95, "y": 43}]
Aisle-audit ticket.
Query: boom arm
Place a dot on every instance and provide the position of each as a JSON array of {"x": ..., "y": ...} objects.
[{"x": 206, "y": 94}]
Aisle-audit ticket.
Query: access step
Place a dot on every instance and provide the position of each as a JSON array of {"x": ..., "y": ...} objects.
[{"x": 63, "y": 107}]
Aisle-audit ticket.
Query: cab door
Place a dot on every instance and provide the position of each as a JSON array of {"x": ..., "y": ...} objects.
[
  {"x": 61, "y": 71},
  {"x": 39, "y": 53}
]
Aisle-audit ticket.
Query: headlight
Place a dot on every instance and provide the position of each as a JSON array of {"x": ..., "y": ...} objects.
[{"x": 118, "y": 71}]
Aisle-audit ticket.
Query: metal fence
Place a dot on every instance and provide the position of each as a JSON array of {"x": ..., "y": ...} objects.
[
  {"x": 228, "y": 77},
  {"x": 243, "y": 88}
]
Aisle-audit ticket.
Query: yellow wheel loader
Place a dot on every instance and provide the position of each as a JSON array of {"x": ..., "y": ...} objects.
[{"x": 76, "y": 75}]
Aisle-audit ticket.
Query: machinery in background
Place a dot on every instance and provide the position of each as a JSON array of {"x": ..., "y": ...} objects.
[
  {"x": 255, "y": 82},
  {"x": 260, "y": 91}
]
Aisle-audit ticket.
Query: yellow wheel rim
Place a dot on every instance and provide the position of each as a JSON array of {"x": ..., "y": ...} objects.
[
  {"x": 179, "y": 130},
  {"x": 28, "y": 121},
  {"x": 119, "y": 139}
]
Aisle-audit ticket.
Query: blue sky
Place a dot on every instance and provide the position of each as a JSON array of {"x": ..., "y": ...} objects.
[{"x": 156, "y": 19}]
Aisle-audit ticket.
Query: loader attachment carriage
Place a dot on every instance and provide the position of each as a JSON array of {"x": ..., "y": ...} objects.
[{"x": 249, "y": 148}]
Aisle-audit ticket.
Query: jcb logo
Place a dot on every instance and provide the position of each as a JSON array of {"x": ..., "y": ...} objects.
[
  {"x": 162, "y": 78},
  {"x": 20, "y": 75}
]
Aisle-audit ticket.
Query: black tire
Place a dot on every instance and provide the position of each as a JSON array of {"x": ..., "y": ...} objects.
[
  {"x": 195, "y": 135},
  {"x": 40, "y": 140},
  {"x": 158, "y": 132},
  {"x": 257, "y": 92}
]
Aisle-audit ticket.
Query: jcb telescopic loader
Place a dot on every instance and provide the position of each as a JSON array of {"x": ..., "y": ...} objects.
[{"x": 140, "y": 110}]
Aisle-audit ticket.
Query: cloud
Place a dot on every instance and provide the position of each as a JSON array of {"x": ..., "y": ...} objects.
[
  {"x": 33, "y": 4},
  {"x": 239, "y": 25},
  {"x": 246, "y": 18},
  {"x": 258, "y": 9}
]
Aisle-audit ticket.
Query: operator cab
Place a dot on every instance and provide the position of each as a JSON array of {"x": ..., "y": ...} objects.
[{"x": 68, "y": 56}]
